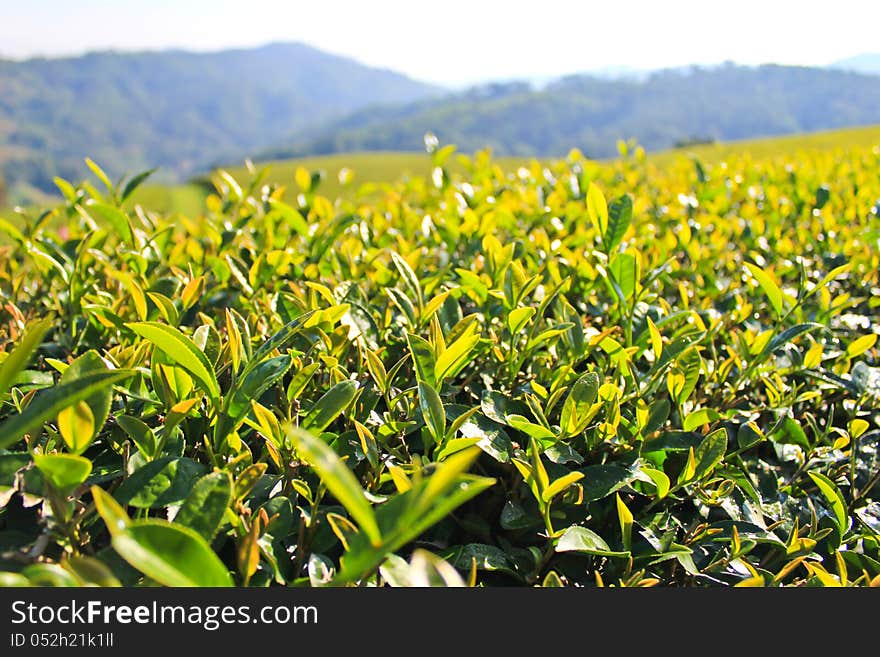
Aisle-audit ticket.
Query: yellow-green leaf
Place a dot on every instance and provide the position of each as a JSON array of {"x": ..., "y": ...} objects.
[
  {"x": 171, "y": 554},
  {"x": 560, "y": 485},
  {"x": 338, "y": 479},
  {"x": 835, "y": 500},
  {"x": 77, "y": 426},
  {"x": 19, "y": 357},
  {"x": 768, "y": 285},
  {"x": 597, "y": 208},
  {"x": 860, "y": 345},
  {"x": 182, "y": 351}
]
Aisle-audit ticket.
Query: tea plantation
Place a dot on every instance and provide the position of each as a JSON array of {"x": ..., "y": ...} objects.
[{"x": 574, "y": 374}]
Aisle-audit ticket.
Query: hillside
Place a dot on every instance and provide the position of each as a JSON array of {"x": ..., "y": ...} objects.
[
  {"x": 176, "y": 110},
  {"x": 666, "y": 108},
  {"x": 366, "y": 169}
]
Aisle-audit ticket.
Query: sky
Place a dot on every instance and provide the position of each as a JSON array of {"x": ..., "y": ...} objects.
[{"x": 457, "y": 42}]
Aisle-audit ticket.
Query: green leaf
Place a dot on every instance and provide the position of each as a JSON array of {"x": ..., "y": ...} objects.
[
  {"x": 19, "y": 357},
  {"x": 453, "y": 446},
  {"x": 835, "y": 500},
  {"x": 577, "y": 404},
  {"x": 165, "y": 481},
  {"x": 293, "y": 218},
  {"x": 301, "y": 379},
  {"x": 432, "y": 411},
  {"x": 484, "y": 557},
  {"x": 537, "y": 431},
  {"x": 49, "y": 575},
  {"x": 699, "y": 417},
  {"x": 581, "y": 539},
  {"x": 822, "y": 196},
  {"x": 403, "y": 303},
  {"x": 788, "y": 335},
  {"x": 258, "y": 380},
  {"x": 404, "y": 517},
  {"x": 423, "y": 358},
  {"x": 603, "y": 480},
  {"x": 67, "y": 190},
  {"x": 518, "y": 318},
  {"x": 377, "y": 370},
  {"x": 330, "y": 406},
  {"x": 409, "y": 277},
  {"x": 204, "y": 508},
  {"x": 181, "y": 351},
  {"x": 12, "y": 231},
  {"x": 91, "y": 571},
  {"x": 624, "y": 269},
  {"x": 280, "y": 340},
  {"x": 657, "y": 416},
  {"x": 710, "y": 452},
  {"x": 493, "y": 439},
  {"x": 98, "y": 403},
  {"x": 14, "y": 472},
  {"x": 456, "y": 355},
  {"x": 111, "y": 512},
  {"x": 140, "y": 433},
  {"x": 771, "y": 289},
  {"x": 64, "y": 471},
  {"x": 661, "y": 481},
  {"x": 117, "y": 219},
  {"x": 48, "y": 403},
  {"x": 172, "y": 555},
  {"x": 338, "y": 479},
  {"x": 134, "y": 183},
  {"x": 14, "y": 580},
  {"x": 679, "y": 347},
  {"x": 619, "y": 219}
]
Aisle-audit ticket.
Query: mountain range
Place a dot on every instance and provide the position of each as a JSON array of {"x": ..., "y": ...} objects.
[
  {"x": 661, "y": 110},
  {"x": 176, "y": 110},
  {"x": 184, "y": 112}
]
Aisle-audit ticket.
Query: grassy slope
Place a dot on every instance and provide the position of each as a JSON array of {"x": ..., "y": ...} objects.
[
  {"x": 789, "y": 145},
  {"x": 386, "y": 167},
  {"x": 383, "y": 167}
]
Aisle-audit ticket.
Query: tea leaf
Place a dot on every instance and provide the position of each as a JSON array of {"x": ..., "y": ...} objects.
[
  {"x": 330, "y": 406},
  {"x": 619, "y": 219},
  {"x": 771, "y": 289},
  {"x": 19, "y": 357},
  {"x": 432, "y": 411},
  {"x": 339, "y": 480},
  {"x": 834, "y": 498},
  {"x": 77, "y": 426},
  {"x": 182, "y": 351},
  {"x": 47, "y": 404},
  {"x": 64, "y": 471},
  {"x": 597, "y": 209},
  {"x": 581, "y": 539},
  {"x": 205, "y": 506},
  {"x": 172, "y": 555}
]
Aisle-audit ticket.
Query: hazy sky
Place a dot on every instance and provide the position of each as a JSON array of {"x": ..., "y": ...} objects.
[{"x": 459, "y": 41}]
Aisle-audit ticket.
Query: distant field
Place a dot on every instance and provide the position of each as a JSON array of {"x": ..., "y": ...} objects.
[
  {"x": 789, "y": 145},
  {"x": 385, "y": 167},
  {"x": 389, "y": 166}
]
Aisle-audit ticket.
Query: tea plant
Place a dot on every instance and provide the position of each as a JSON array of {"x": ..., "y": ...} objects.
[{"x": 574, "y": 375}]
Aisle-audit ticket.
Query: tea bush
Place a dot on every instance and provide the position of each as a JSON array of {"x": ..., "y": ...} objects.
[{"x": 571, "y": 375}]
